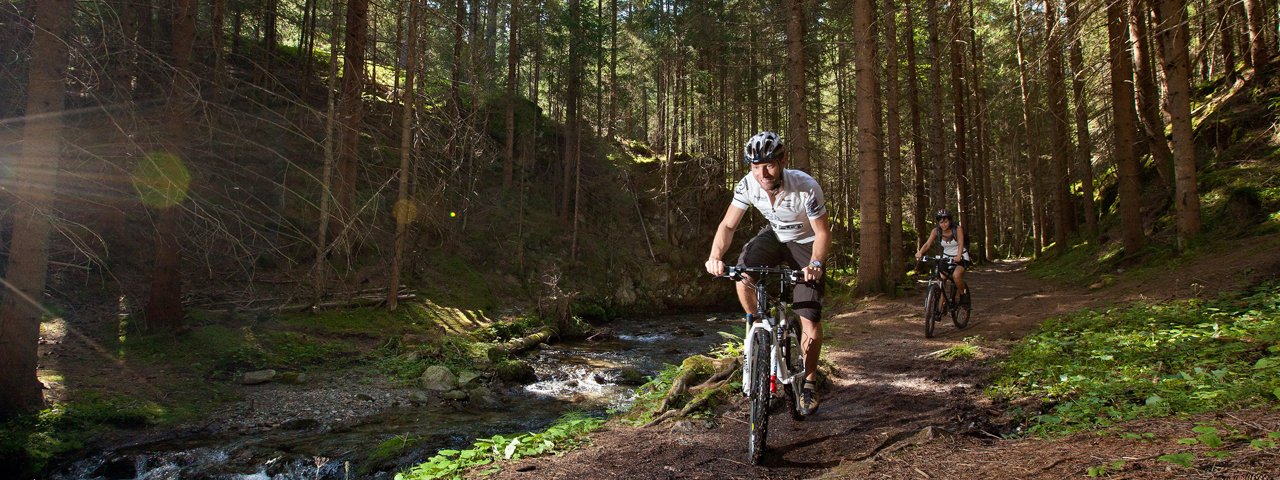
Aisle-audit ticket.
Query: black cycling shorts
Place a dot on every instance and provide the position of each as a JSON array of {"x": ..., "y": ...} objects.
[{"x": 766, "y": 251}]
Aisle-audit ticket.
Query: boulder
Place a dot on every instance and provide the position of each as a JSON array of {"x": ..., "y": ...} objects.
[
  {"x": 454, "y": 395},
  {"x": 258, "y": 377},
  {"x": 438, "y": 378},
  {"x": 482, "y": 396},
  {"x": 467, "y": 378},
  {"x": 517, "y": 371}
]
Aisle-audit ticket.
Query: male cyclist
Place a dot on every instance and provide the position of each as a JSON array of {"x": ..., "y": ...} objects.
[
  {"x": 798, "y": 234},
  {"x": 950, "y": 235}
]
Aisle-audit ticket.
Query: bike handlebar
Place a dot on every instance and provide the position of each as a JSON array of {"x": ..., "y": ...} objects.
[
  {"x": 736, "y": 272},
  {"x": 935, "y": 258}
]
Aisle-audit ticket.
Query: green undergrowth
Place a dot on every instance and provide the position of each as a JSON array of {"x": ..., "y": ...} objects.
[
  {"x": 488, "y": 454},
  {"x": 1092, "y": 369},
  {"x": 28, "y": 443},
  {"x": 650, "y": 396}
]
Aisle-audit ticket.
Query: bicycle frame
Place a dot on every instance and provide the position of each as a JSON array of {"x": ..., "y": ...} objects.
[
  {"x": 775, "y": 324},
  {"x": 942, "y": 276}
]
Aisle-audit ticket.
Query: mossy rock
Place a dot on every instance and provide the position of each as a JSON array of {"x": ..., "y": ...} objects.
[{"x": 517, "y": 371}]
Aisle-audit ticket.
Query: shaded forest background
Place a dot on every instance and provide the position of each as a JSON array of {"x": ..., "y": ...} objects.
[{"x": 176, "y": 156}]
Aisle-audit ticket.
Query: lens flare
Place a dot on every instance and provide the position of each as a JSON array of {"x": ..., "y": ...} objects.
[
  {"x": 162, "y": 180},
  {"x": 405, "y": 211}
]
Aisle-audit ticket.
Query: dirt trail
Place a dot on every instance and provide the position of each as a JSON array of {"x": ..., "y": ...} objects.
[{"x": 889, "y": 396}]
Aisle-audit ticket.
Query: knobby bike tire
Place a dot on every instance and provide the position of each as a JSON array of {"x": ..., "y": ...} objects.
[
  {"x": 794, "y": 355},
  {"x": 930, "y": 309},
  {"x": 759, "y": 427},
  {"x": 960, "y": 317}
]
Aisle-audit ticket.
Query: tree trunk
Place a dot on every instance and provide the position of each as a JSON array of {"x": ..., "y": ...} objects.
[
  {"x": 1172, "y": 15},
  {"x": 1084, "y": 149},
  {"x": 613, "y": 70},
  {"x": 920, "y": 213},
  {"x": 513, "y": 54},
  {"x": 1026, "y": 148},
  {"x": 937, "y": 189},
  {"x": 1259, "y": 52},
  {"x": 1124, "y": 127},
  {"x": 1059, "y": 133},
  {"x": 897, "y": 263},
  {"x": 1226, "y": 29},
  {"x": 981, "y": 171},
  {"x": 871, "y": 255},
  {"x": 35, "y": 182},
  {"x": 959, "y": 96},
  {"x": 572, "y": 124},
  {"x": 404, "y": 210},
  {"x": 320, "y": 269},
  {"x": 351, "y": 114},
  {"x": 1148, "y": 96},
  {"x": 798, "y": 122},
  {"x": 164, "y": 304}
]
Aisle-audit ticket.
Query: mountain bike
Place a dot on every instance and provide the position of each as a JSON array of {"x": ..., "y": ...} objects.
[
  {"x": 773, "y": 356},
  {"x": 943, "y": 287}
]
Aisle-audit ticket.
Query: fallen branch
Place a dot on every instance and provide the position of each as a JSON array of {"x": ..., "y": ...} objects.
[{"x": 543, "y": 335}]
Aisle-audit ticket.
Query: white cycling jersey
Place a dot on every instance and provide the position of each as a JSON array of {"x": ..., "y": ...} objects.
[
  {"x": 798, "y": 201},
  {"x": 951, "y": 247}
]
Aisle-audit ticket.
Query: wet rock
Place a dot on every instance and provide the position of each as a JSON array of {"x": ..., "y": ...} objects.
[
  {"x": 516, "y": 371},
  {"x": 300, "y": 424},
  {"x": 688, "y": 332},
  {"x": 419, "y": 398},
  {"x": 482, "y": 396},
  {"x": 364, "y": 396},
  {"x": 258, "y": 377},
  {"x": 119, "y": 467},
  {"x": 632, "y": 377},
  {"x": 467, "y": 378},
  {"x": 454, "y": 395},
  {"x": 438, "y": 378}
]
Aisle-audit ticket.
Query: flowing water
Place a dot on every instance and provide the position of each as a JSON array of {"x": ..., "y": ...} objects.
[{"x": 582, "y": 376}]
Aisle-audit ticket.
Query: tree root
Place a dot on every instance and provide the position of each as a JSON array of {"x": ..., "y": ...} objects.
[{"x": 689, "y": 383}]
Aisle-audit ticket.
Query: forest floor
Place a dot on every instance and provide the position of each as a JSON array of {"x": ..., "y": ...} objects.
[{"x": 894, "y": 411}]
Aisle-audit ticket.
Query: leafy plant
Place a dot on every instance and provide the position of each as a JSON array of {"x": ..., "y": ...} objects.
[
  {"x": 1181, "y": 459},
  {"x": 565, "y": 434},
  {"x": 1105, "y": 469}
]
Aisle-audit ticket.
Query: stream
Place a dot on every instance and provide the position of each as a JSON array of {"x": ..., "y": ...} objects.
[{"x": 579, "y": 376}]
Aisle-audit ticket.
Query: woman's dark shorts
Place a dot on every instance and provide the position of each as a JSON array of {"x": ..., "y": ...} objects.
[{"x": 766, "y": 251}]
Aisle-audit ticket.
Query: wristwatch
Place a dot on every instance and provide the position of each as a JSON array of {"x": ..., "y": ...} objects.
[{"x": 815, "y": 263}]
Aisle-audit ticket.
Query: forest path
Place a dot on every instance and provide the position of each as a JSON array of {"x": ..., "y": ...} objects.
[
  {"x": 889, "y": 394},
  {"x": 886, "y": 388}
]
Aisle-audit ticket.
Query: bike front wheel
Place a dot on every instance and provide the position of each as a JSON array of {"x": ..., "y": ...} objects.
[
  {"x": 960, "y": 316},
  {"x": 759, "y": 396},
  {"x": 931, "y": 309}
]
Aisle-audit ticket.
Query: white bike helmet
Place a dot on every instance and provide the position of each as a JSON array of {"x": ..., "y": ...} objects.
[{"x": 764, "y": 147}]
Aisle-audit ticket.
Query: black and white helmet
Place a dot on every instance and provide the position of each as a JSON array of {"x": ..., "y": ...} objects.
[
  {"x": 942, "y": 213},
  {"x": 764, "y": 147}
]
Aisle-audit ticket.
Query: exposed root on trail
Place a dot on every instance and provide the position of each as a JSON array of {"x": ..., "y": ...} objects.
[{"x": 700, "y": 377}]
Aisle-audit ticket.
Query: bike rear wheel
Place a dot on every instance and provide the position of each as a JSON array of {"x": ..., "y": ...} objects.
[
  {"x": 794, "y": 355},
  {"x": 931, "y": 309},
  {"x": 759, "y": 396}
]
